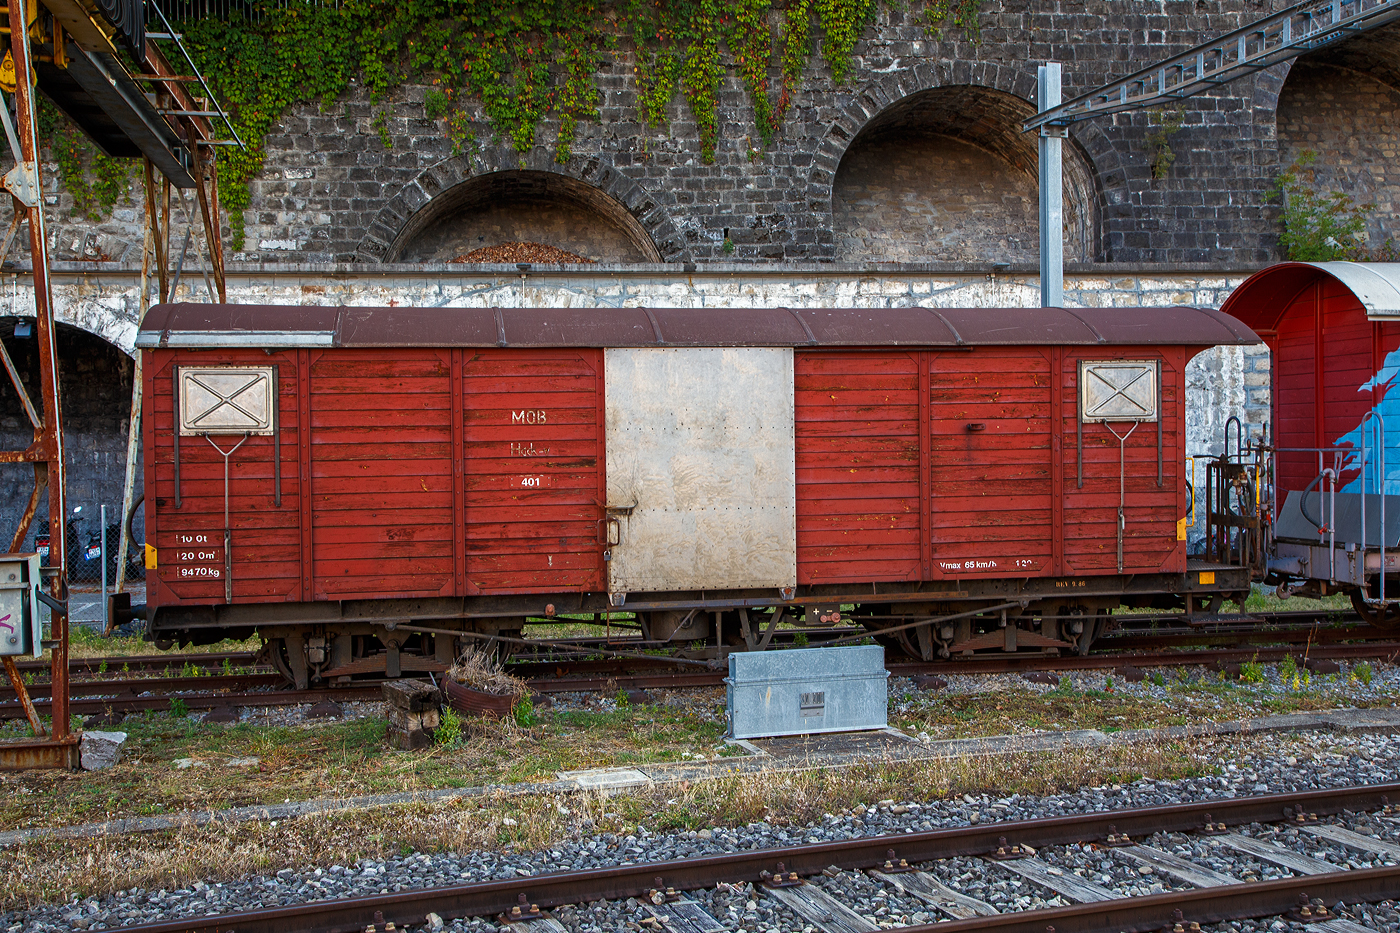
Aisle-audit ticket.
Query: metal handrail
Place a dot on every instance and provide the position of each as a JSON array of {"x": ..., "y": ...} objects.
[
  {"x": 1375, "y": 419},
  {"x": 194, "y": 69},
  {"x": 1239, "y": 437}
]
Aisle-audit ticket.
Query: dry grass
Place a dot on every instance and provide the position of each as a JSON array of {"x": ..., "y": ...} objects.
[
  {"x": 44, "y": 871},
  {"x": 480, "y": 669},
  {"x": 1207, "y": 697},
  {"x": 342, "y": 759}
]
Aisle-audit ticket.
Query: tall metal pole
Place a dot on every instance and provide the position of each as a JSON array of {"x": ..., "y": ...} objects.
[
  {"x": 102, "y": 556},
  {"x": 1052, "y": 204},
  {"x": 51, "y": 442}
]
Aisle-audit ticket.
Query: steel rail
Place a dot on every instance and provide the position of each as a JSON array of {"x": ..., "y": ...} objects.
[
  {"x": 1154, "y": 912},
  {"x": 485, "y": 899},
  {"x": 1023, "y": 663},
  {"x": 1130, "y": 638},
  {"x": 168, "y": 686},
  {"x": 86, "y": 706},
  {"x": 623, "y": 680},
  {"x": 146, "y": 662}
]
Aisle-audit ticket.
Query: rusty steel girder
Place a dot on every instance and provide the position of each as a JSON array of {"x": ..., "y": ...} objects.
[{"x": 46, "y": 451}]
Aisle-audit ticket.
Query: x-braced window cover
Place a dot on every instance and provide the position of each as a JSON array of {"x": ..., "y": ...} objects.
[
  {"x": 1118, "y": 390},
  {"x": 227, "y": 400}
]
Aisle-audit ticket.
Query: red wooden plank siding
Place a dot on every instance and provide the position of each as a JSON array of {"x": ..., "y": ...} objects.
[
  {"x": 189, "y": 540},
  {"x": 380, "y": 434},
  {"x": 1317, "y": 405},
  {"x": 990, "y": 462},
  {"x": 534, "y": 470},
  {"x": 1151, "y": 512},
  {"x": 1295, "y": 376},
  {"x": 858, "y": 479}
]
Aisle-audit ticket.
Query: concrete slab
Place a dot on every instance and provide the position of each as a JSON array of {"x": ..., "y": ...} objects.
[{"x": 606, "y": 778}]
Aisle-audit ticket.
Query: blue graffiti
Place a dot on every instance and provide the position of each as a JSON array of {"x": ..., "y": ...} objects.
[{"x": 1369, "y": 431}]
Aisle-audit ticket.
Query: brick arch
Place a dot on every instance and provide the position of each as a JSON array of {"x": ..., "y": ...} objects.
[
  {"x": 1340, "y": 103},
  {"x": 1012, "y": 90},
  {"x": 424, "y": 198}
]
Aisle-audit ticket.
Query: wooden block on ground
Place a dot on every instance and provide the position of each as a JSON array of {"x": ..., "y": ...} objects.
[
  {"x": 817, "y": 907},
  {"x": 1339, "y": 926},
  {"x": 541, "y": 925},
  {"x": 1355, "y": 840},
  {"x": 937, "y": 895},
  {"x": 1176, "y": 867},
  {"x": 414, "y": 696},
  {"x": 1070, "y": 885},
  {"x": 685, "y": 916},
  {"x": 1276, "y": 854}
]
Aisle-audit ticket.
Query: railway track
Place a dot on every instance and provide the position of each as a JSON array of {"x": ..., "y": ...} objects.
[
  {"x": 1279, "y": 834},
  {"x": 262, "y": 688},
  {"x": 202, "y": 681}
]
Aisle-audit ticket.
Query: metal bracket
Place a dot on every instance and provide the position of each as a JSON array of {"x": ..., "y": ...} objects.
[
  {"x": 522, "y": 910},
  {"x": 22, "y": 181},
  {"x": 662, "y": 893},
  {"x": 894, "y": 865},
  {"x": 1007, "y": 853},
  {"x": 57, "y": 605},
  {"x": 1116, "y": 839},
  {"x": 782, "y": 878},
  {"x": 1310, "y": 911}
]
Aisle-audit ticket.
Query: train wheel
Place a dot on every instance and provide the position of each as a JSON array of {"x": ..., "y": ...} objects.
[
  {"x": 275, "y": 652},
  {"x": 916, "y": 642},
  {"x": 1386, "y": 619}
]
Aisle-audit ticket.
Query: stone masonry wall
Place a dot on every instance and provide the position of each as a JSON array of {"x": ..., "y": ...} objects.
[
  {"x": 332, "y": 192},
  {"x": 1351, "y": 122},
  {"x": 980, "y": 210}
]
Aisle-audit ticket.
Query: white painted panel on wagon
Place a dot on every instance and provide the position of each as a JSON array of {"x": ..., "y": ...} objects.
[{"x": 702, "y": 477}]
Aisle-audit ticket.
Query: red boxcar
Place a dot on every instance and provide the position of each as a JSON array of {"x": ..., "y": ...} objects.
[
  {"x": 1333, "y": 330},
  {"x": 710, "y": 472}
]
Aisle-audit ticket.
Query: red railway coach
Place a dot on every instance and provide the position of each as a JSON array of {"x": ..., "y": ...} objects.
[
  {"x": 985, "y": 479},
  {"x": 1333, "y": 331}
]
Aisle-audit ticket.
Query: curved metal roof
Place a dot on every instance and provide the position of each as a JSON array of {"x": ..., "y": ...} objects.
[
  {"x": 1261, "y": 299},
  {"x": 204, "y": 325}
]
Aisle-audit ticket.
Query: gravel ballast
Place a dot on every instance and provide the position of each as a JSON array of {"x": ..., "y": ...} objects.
[{"x": 1338, "y": 761}]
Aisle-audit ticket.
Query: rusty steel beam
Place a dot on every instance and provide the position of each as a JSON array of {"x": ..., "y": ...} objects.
[
  {"x": 494, "y": 897},
  {"x": 150, "y": 662},
  {"x": 50, "y": 754},
  {"x": 48, "y": 435},
  {"x": 25, "y": 700}
]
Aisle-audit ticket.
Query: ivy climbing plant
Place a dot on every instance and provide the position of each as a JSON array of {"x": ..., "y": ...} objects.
[
  {"x": 95, "y": 181},
  {"x": 518, "y": 62}
]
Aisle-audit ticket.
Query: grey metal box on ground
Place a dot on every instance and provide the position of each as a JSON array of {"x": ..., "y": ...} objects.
[{"x": 807, "y": 690}]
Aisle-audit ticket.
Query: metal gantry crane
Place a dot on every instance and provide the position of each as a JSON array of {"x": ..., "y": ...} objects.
[
  {"x": 1277, "y": 38},
  {"x": 80, "y": 55}
]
